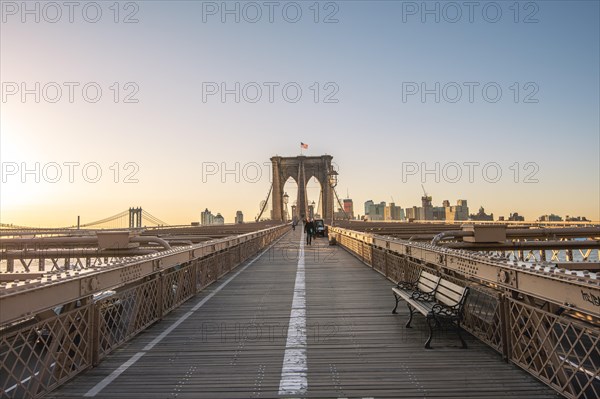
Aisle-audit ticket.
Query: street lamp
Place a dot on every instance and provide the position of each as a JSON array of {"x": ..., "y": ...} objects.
[
  {"x": 286, "y": 198},
  {"x": 333, "y": 180}
]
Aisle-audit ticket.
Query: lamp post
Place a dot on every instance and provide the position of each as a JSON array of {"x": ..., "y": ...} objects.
[
  {"x": 333, "y": 180},
  {"x": 286, "y": 198}
]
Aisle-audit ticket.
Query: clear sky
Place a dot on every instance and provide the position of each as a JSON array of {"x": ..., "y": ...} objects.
[{"x": 517, "y": 90}]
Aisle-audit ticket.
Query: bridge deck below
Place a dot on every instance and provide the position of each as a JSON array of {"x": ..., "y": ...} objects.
[{"x": 231, "y": 342}]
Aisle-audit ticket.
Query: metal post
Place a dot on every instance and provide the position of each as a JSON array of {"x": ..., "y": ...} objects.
[
  {"x": 159, "y": 284},
  {"x": 195, "y": 270},
  {"x": 95, "y": 334},
  {"x": 503, "y": 309}
]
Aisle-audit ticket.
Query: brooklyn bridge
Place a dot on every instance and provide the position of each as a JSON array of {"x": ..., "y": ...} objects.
[{"x": 131, "y": 306}]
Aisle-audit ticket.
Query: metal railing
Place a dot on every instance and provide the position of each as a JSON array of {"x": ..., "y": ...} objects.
[
  {"x": 40, "y": 353},
  {"x": 556, "y": 348}
]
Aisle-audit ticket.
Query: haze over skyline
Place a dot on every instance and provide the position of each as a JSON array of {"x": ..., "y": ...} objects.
[{"x": 155, "y": 105}]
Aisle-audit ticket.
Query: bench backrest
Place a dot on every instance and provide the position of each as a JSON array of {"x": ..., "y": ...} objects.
[
  {"x": 427, "y": 282},
  {"x": 450, "y": 294}
]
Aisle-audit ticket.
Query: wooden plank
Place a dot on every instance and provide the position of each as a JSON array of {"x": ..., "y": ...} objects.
[
  {"x": 427, "y": 282},
  {"x": 449, "y": 293}
]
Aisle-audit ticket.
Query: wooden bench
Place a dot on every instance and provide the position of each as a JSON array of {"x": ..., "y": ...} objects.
[{"x": 438, "y": 299}]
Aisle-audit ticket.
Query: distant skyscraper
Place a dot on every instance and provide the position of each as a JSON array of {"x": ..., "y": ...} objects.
[
  {"x": 458, "y": 212},
  {"x": 367, "y": 206},
  {"x": 393, "y": 212},
  {"x": 412, "y": 213},
  {"x": 462, "y": 210},
  {"x": 206, "y": 217},
  {"x": 426, "y": 210},
  {"x": 239, "y": 217},
  {"x": 439, "y": 213},
  {"x": 349, "y": 208},
  {"x": 376, "y": 211}
]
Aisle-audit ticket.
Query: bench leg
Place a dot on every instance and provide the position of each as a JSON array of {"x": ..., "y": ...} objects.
[
  {"x": 410, "y": 309},
  {"x": 396, "y": 307},
  {"x": 458, "y": 328},
  {"x": 430, "y": 321}
]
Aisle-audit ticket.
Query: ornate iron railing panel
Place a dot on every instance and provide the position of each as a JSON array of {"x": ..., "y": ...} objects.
[
  {"x": 41, "y": 356},
  {"x": 178, "y": 286},
  {"x": 483, "y": 316},
  {"x": 560, "y": 351},
  {"x": 126, "y": 313}
]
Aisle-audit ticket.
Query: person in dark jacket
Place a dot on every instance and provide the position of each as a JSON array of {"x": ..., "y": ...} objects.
[{"x": 309, "y": 228}]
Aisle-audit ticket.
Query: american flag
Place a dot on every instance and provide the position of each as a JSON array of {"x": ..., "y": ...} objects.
[{"x": 303, "y": 146}]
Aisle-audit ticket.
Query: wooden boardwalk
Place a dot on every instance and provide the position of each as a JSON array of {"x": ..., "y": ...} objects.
[{"x": 233, "y": 341}]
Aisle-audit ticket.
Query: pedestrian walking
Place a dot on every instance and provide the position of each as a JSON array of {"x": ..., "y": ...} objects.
[{"x": 309, "y": 229}]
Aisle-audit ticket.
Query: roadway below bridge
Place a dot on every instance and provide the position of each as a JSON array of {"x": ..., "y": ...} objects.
[{"x": 299, "y": 321}]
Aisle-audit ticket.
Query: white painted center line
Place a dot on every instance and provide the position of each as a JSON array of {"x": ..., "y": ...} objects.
[
  {"x": 295, "y": 369},
  {"x": 122, "y": 368}
]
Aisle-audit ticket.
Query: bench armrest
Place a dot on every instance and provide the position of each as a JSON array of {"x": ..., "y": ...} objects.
[
  {"x": 423, "y": 296},
  {"x": 447, "y": 311}
]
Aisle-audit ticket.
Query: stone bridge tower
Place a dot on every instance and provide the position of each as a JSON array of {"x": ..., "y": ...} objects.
[{"x": 301, "y": 169}]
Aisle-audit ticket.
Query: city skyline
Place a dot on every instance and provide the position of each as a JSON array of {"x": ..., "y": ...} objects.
[
  {"x": 228, "y": 207},
  {"x": 311, "y": 188},
  {"x": 380, "y": 93}
]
